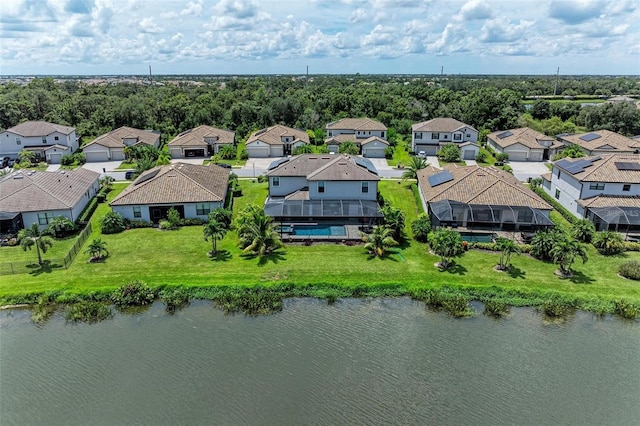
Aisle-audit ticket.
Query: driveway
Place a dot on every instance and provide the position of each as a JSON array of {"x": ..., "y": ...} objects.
[
  {"x": 384, "y": 169},
  {"x": 255, "y": 167},
  {"x": 528, "y": 169},
  {"x": 432, "y": 160}
]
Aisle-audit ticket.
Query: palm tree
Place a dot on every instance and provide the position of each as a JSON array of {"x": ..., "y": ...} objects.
[
  {"x": 60, "y": 224},
  {"x": 377, "y": 242},
  {"x": 32, "y": 236},
  {"x": 447, "y": 244},
  {"x": 564, "y": 253},
  {"x": 216, "y": 231},
  {"x": 97, "y": 249},
  {"x": 143, "y": 164},
  {"x": 411, "y": 170},
  {"x": 543, "y": 242},
  {"x": 608, "y": 242},
  {"x": 257, "y": 233},
  {"x": 583, "y": 230},
  {"x": 107, "y": 182},
  {"x": 507, "y": 247},
  {"x": 221, "y": 215},
  {"x": 349, "y": 147},
  {"x": 394, "y": 220}
]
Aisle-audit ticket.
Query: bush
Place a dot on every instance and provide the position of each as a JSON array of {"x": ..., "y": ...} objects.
[
  {"x": 608, "y": 242},
  {"x": 112, "y": 223},
  {"x": 302, "y": 149},
  {"x": 174, "y": 299},
  {"x": 388, "y": 152},
  {"x": 262, "y": 178},
  {"x": 88, "y": 210},
  {"x": 502, "y": 157},
  {"x": 87, "y": 312},
  {"x": 556, "y": 205},
  {"x": 449, "y": 153},
  {"x": 630, "y": 269},
  {"x": 66, "y": 160},
  {"x": 228, "y": 152},
  {"x": 481, "y": 157},
  {"x": 495, "y": 308},
  {"x": 631, "y": 246},
  {"x": 134, "y": 293},
  {"x": 626, "y": 309},
  {"x": 164, "y": 224},
  {"x": 244, "y": 155},
  {"x": 173, "y": 217},
  {"x": 349, "y": 147},
  {"x": 421, "y": 228},
  {"x": 192, "y": 222},
  {"x": 139, "y": 224}
]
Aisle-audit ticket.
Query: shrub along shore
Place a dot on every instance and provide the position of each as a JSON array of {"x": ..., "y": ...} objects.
[{"x": 176, "y": 267}]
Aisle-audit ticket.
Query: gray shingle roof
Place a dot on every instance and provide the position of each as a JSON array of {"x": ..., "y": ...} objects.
[
  {"x": 114, "y": 139},
  {"x": 195, "y": 137},
  {"x": 39, "y": 128},
  {"x": 440, "y": 124}
]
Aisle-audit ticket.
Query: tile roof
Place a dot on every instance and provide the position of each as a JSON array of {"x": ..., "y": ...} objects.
[
  {"x": 441, "y": 124},
  {"x": 611, "y": 201},
  {"x": 603, "y": 168},
  {"x": 24, "y": 191},
  {"x": 114, "y": 139},
  {"x": 39, "y": 128},
  {"x": 329, "y": 167},
  {"x": 524, "y": 136},
  {"x": 195, "y": 137},
  {"x": 176, "y": 183},
  {"x": 373, "y": 139},
  {"x": 606, "y": 138},
  {"x": 365, "y": 124},
  {"x": 479, "y": 185},
  {"x": 273, "y": 135}
]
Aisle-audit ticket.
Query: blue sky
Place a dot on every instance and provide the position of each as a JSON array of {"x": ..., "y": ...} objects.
[{"x": 330, "y": 36}]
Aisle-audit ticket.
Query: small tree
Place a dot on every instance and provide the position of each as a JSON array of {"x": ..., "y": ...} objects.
[
  {"x": 107, "y": 182},
  {"x": 216, "y": 231},
  {"x": 222, "y": 216},
  {"x": 173, "y": 217},
  {"x": 544, "y": 241},
  {"x": 583, "y": 230},
  {"x": 608, "y": 242},
  {"x": 32, "y": 236},
  {"x": 26, "y": 158},
  {"x": 97, "y": 249},
  {"x": 421, "y": 227},
  {"x": 256, "y": 231},
  {"x": 112, "y": 223},
  {"x": 349, "y": 147},
  {"x": 447, "y": 244},
  {"x": 564, "y": 253},
  {"x": 506, "y": 247},
  {"x": 394, "y": 220},
  {"x": 228, "y": 152},
  {"x": 377, "y": 242},
  {"x": 302, "y": 149},
  {"x": 61, "y": 225},
  {"x": 411, "y": 169},
  {"x": 571, "y": 151},
  {"x": 449, "y": 153}
]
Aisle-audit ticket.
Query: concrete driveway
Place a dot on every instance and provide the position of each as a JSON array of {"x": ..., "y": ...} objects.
[
  {"x": 528, "y": 169},
  {"x": 255, "y": 167}
]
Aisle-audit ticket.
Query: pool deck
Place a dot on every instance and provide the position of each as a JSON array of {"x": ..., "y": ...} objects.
[
  {"x": 516, "y": 236},
  {"x": 352, "y": 234}
]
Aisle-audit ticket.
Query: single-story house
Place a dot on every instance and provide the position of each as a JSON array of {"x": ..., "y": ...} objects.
[
  {"x": 275, "y": 141},
  {"x": 49, "y": 141},
  {"x": 600, "y": 142},
  {"x": 193, "y": 190},
  {"x": 373, "y": 146},
  {"x": 323, "y": 188},
  {"x": 484, "y": 198},
  {"x": 203, "y": 141},
  {"x": 523, "y": 144},
  {"x": 28, "y": 197},
  {"x": 110, "y": 146},
  {"x": 430, "y": 136}
]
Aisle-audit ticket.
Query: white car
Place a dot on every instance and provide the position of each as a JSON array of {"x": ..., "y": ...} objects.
[{"x": 422, "y": 154}]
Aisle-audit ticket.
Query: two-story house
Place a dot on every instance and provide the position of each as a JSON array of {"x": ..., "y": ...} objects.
[
  {"x": 49, "y": 141},
  {"x": 429, "y": 136},
  {"x": 203, "y": 141},
  {"x": 600, "y": 142},
  {"x": 605, "y": 189},
  {"x": 275, "y": 141},
  {"x": 369, "y": 135},
  {"x": 325, "y": 188},
  {"x": 524, "y": 144},
  {"x": 110, "y": 146}
]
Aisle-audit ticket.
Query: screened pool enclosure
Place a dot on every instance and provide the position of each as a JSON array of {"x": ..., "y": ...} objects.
[
  {"x": 359, "y": 211},
  {"x": 621, "y": 219}
]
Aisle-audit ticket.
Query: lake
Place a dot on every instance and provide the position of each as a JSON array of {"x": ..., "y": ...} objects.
[{"x": 369, "y": 362}]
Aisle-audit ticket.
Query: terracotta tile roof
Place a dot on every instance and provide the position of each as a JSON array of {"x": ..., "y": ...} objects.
[
  {"x": 176, "y": 183},
  {"x": 374, "y": 139},
  {"x": 365, "y": 124},
  {"x": 195, "y": 137},
  {"x": 607, "y": 140},
  {"x": 479, "y": 185},
  {"x": 441, "y": 124},
  {"x": 603, "y": 168},
  {"x": 39, "y": 128},
  {"x": 114, "y": 139},
  {"x": 24, "y": 191},
  {"x": 611, "y": 201},
  {"x": 324, "y": 167},
  {"x": 273, "y": 135},
  {"x": 524, "y": 136}
]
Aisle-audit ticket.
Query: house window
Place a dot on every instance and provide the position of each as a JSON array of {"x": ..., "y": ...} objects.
[
  {"x": 596, "y": 186},
  {"x": 44, "y": 139},
  {"x": 275, "y": 181},
  {"x": 56, "y": 138},
  {"x": 558, "y": 173},
  {"x": 382, "y": 134},
  {"x": 329, "y": 133},
  {"x": 435, "y": 135},
  {"x": 457, "y": 137},
  {"x": 468, "y": 135},
  {"x": 557, "y": 194},
  {"x": 18, "y": 141},
  {"x": 626, "y": 187},
  {"x": 365, "y": 187},
  {"x": 137, "y": 213},
  {"x": 419, "y": 135},
  {"x": 446, "y": 136},
  {"x": 321, "y": 187},
  {"x": 44, "y": 218},
  {"x": 203, "y": 209}
]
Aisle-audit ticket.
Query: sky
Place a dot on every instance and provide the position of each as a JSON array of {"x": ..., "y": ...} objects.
[{"x": 107, "y": 37}]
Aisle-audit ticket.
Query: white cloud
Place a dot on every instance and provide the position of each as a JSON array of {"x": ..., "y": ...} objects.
[
  {"x": 358, "y": 15},
  {"x": 148, "y": 25},
  {"x": 575, "y": 11},
  {"x": 475, "y": 9}
]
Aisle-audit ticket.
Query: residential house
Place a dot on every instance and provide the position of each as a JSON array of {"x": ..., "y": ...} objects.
[
  {"x": 193, "y": 190},
  {"x": 110, "y": 146},
  {"x": 275, "y": 141},
  {"x": 429, "y": 136},
  {"x": 28, "y": 197},
  {"x": 49, "y": 141},
  {"x": 326, "y": 188},
  {"x": 368, "y": 135},
  {"x": 604, "y": 188},
  {"x": 203, "y": 141},
  {"x": 524, "y": 144},
  {"x": 600, "y": 142},
  {"x": 480, "y": 198}
]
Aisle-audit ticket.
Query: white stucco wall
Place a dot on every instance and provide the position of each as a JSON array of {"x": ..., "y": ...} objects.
[
  {"x": 189, "y": 210},
  {"x": 288, "y": 184},
  {"x": 569, "y": 190}
]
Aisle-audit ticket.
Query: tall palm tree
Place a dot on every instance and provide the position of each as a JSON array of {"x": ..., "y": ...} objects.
[
  {"x": 564, "y": 253},
  {"x": 447, "y": 244},
  {"x": 257, "y": 234},
  {"x": 32, "y": 236},
  {"x": 97, "y": 249},
  {"x": 216, "y": 231},
  {"x": 378, "y": 241},
  {"x": 411, "y": 169},
  {"x": 507, "y": 247}
]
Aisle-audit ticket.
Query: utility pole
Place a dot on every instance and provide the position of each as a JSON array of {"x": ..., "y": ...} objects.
[
  {"x": 150, "y": 76},
  {"x": 555, "y": 87}
]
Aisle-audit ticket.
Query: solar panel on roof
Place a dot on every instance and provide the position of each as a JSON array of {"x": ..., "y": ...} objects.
[
  {"x": 277, "y": 163},
  {"x": 504, "y": 134},
  {"x": 145, "y": 177},
  {"x": 589, "y": 137},
  {"x": 366, "y": 163},
  {"x": 624, "y": 165},
  {"x": 440, "y": 178}
]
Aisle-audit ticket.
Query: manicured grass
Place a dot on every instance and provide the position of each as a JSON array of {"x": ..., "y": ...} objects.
[
  {"x": 17, "y": 254},
  {"x": 400, "y": 154},
  {"x": 125, "y": 165},
  {"x": 180, "y": 258}
]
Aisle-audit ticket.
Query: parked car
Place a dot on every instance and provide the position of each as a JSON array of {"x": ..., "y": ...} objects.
[
  {"x": 128, "y": 175},
  {"x": 224, "y": 165},
  {"x": 11, "y": 163}
]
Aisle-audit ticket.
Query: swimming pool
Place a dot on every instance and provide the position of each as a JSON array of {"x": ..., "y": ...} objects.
[
  {"x": 472, "y": 237},
  {"x": 317, "y": 230}
]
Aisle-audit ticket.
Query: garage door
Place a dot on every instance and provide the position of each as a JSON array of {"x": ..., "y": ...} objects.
[
  {"x": 536, "y": 156},
  {"x": 518, "y": 156},
  {"x": 428, "y": 149},
  {"x": 194, "y": 152},
  {"x": 96, "y": 156},
  {"x": 373, "y": 152},
  {"x": 117, "y": 155},
  {"x": 468, "y": 154},
  {"x": 55, "y": 158},
  {"x": 258, "y": 152},
  {"x": 175, "y": 152}
]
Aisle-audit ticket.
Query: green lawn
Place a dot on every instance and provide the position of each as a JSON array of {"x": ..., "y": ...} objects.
[
  {"x": 400, "y": 154},
  {"x": 180, "y": 258},
  {"x": 125, "y": 165}
]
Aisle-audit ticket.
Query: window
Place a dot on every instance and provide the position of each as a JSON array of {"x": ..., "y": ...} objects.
[
  {"x": 56, "y": 138},
  {"x": 44, "y": 139},
  {"x": 44, "y": 218},
  {"x": 137, "y": 213},
  {"x": 18, "y": 141},
  {"x": 365, "y": 187},
  {"x": 321, "y": 187},
  {"x": 203, "y": 209},
  {"x": 275, "y": 181},
  {"x": 419, "y": 135},
  {"x": 445, "y": 136},
  {"x": 558, "y": 173},
  {"x": 626, "y": 187},
  {"x": 435, "y": 135},
  {"x": 382, "y": 134},
  {"x": 457, "y": 137},
  {"x": 468, "y": 135},
  {"x": 596, "y": 186},
  {"x": 329, "y": 133},
  {"x": 557, "y": 194}
]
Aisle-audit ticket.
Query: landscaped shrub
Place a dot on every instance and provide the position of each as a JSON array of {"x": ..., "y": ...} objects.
[
  {"x": 228, "y": 152},
  {"x": 583, "y": 230},
  {"x": 630, "y": 269},
  {"x": 173, "y": 217},
  {"x": 244, "y": 155},
  {"x": 138, "y": 223},
  {"x": 481, "y": 157},
  {"x": 164, "y": 224},
  {"x": 112, "y": 223},
  {"x": 134, "y": 293},
  {"x": 349, "y": 148},
  {"x": 502, "y": 156},
  {"x": 449, "y": 153},
  {"x": 631, "y": 246},
  {"x": 388, "y": 152},
  {"x": 421, "y": 228},
  {"x": 302, "y": 149},
  {"x": 608, "y": 242},
  {"x": 193, "y": 221},
  {"x": 262, "y": 178},
  {"x": 556, "y": 205},
  {"x": 66, "y": 160},
  {"x": 87, "y": 312},
  {"x": 88, "y": 210}
]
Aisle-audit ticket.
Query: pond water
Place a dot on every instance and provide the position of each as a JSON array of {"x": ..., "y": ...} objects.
[{"x": 373, "y": 362}]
